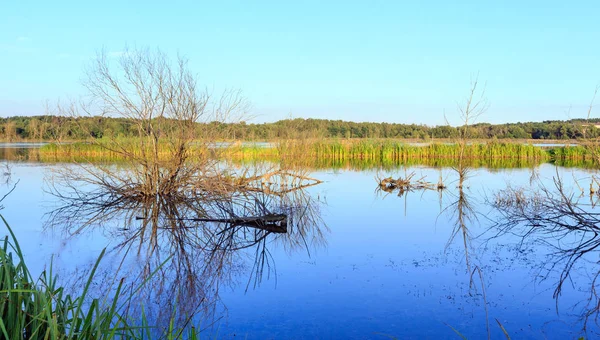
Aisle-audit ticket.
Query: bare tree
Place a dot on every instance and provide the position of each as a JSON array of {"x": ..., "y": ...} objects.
[
  {"x": 470, "y": 109},
  {"x": 163, "y": 101},
  {"x": 175, "y": 198},
  {"x": 461, "y": 211}
]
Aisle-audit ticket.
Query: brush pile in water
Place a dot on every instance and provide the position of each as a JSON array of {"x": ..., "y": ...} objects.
[{"x": 408, "y": 184}]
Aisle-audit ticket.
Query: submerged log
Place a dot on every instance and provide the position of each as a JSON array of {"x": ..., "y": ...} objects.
[{"x": 275, "y": 223}]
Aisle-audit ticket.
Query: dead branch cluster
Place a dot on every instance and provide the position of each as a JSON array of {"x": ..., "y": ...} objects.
[
  {"x": 407, "y": 184},
  {"x": 594, "y": 188}
]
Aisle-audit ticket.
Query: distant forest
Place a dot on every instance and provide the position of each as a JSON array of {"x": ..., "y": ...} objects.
[{"x": 67, "y": 128}]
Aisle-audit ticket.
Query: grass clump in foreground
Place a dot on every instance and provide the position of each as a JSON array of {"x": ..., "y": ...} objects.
[{"x": 41, "y": 309}]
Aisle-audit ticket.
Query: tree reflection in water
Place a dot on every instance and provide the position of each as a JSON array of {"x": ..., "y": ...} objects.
[
  {"x": 555, "y": 218},
  {"x": 462, "y": 214},
  {"x": 457, "y": 207},
  {"x": 209, "y": 234}
]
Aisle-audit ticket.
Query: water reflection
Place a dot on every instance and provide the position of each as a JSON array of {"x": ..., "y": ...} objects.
[
  {"x": 457, "y": 207},
  {"x": 194, "y": 239},
  {"x": 462, "y": 213},
  {"x": 555, "y": 218},
  {"x": 382, "y": 271},
  {"x": 459, "y": 210}
]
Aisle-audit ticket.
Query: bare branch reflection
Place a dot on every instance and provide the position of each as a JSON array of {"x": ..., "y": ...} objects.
[
  {"x": 558, "y": 219},
  {"x": 462, "y": 214},
  {"x": 212, "y": 230}
]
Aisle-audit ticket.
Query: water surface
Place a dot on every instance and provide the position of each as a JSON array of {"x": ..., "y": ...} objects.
[{"x": 377, "y": 265}]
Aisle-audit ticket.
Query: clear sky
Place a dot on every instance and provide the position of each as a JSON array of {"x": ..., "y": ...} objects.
[{"x": 394, "y": 61}]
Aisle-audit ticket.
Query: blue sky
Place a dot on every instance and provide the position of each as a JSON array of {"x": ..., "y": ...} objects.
[{"x": 394, "y": 61}]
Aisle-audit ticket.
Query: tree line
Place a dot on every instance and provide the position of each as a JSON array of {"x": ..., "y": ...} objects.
[{"x": 59, "y": 128}]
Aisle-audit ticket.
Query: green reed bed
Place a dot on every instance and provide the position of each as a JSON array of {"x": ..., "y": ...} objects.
[
  {"x": 41, "y": 309},
  {"x": 575, "y": 156},
  {"x": 387, "y": 150},
  {"x": 313, "y": 153},
  {"x": 377, "y": 150},
  {"x": 570, "y": 153}
]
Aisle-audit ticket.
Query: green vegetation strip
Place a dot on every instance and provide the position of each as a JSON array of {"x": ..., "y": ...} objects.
[
  {"x": 41, "y": 309},
  {"x": 359, "y": 153}
]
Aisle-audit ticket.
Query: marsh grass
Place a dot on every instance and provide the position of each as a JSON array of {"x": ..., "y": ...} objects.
[
  {"x": 106, "y": 151},
  {"x": 352, "y": 154},
  {"x": 42, "y": 309},
  {"x": 388, "y": 153},
  {"x": 570, "y": 153}
]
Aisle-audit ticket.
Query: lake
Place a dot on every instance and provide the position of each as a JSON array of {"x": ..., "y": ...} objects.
[{"x": 371, "y": 264}]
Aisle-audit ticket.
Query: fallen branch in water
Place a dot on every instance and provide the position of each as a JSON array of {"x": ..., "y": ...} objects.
[{"x": 276, "y": 223}]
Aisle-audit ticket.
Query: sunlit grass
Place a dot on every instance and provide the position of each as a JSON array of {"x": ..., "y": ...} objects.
[
  {"x": 334, "y": 153},
  {"x": 384, "y": 153}
]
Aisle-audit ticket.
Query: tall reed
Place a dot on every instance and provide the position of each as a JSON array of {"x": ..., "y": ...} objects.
[
  {"x": 361, "y": 152},
  {"x": 385, "y": 151}
]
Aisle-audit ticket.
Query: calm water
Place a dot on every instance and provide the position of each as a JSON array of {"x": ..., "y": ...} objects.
[{"x": 376, "y": 265}]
